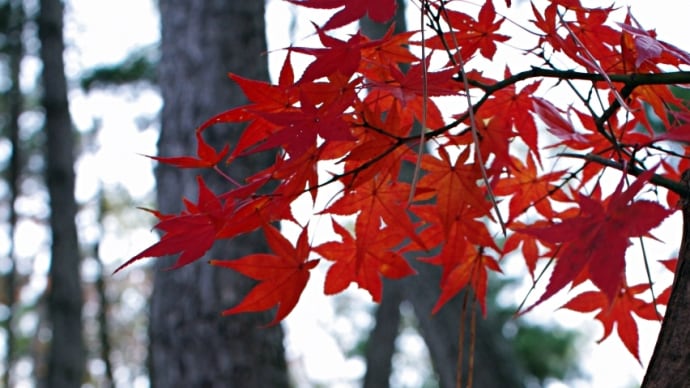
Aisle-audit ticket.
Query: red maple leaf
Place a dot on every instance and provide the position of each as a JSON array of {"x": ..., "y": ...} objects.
[
  {"x": 379, "y": 11},
  {"x": 264, "y": 98},
  {"x": 191, "y": 233},
  {"x": 471, "y": 268},
  {"x": 529, "y": 248},
  {"x": 379, "y": 200},
  {"x": 363, "y": 260},
  {"x": 207, "y": 156},
  {"x": 495, "y": 133},
  {"x": 336, "y": 57},
  {"x": 517, "y": 108},
  {"x": 665, "y": 295},
  {"x": 255, "y": 211},
  {"x": 379, "y": 144},
  {"x": 455, "y": 183},
  {"x": 469, "y": 35},
  {"x": 282, "y": 275},
  {"x": 617, "y": 311},
  {"x": 461, "y": 261},
  {"x": 388, "y": 51},
  {"x": 596, "y": 239},
  {"x": 528, "y": 188},
  {"x": 298, "y": 128},
  {"x": 406, "y": 92}
]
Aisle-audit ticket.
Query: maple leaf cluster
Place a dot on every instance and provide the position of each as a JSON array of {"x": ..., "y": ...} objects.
[{"x": 484, "y": 172}]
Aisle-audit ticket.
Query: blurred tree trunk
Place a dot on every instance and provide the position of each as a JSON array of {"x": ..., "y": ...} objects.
[
  {"x": 381, "y": 344},
  {"x": 66, "y": 355},
  {"x": 103, "y": 302},
  {"x": 191, "y": 345},
  {"x": 14, "y": 49},
  {"x": 495, "y": 363}
]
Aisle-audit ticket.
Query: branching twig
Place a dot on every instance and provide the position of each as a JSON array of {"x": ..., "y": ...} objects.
[{"x": 656, "y": 179}]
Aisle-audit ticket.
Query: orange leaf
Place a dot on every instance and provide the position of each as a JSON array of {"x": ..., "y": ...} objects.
[
  {"x": 528, "y": 188},
  {"x": 363, "y": 260},
  {"x": 471, "y": 268},
  {"x": 282, "y": 276}
]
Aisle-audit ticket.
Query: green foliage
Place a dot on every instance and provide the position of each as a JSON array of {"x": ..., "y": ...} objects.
[
  {"x": 544, "y": 352},
  {"x": 138, "y": 67},
  {"x": 547, "y": 352}
]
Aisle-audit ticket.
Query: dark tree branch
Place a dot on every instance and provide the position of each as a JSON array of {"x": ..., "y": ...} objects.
[
  {"x": 677, "y": 187},
  {"x": 633, "y": 80}
]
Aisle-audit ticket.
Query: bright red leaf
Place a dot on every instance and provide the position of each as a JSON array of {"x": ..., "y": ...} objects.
[
  {"x": 191, "y": 233},
  {"x": 528, "y": 188},
  {"x": 469, "y": 35},
  {"x": 206, "y": 156},
  {"x": 338, "y": 56},
  {"x": 299, "y": 128},
  {"x": 597, "y": 239},
  {"x": 617, "y": 312},
  {"x": 456, "y": 185},
  {"x": 379, "y": 11},
  {"x": 282, "y": 275},
  {"x": 363, "y": 261},
  {"x": 471, "y": 270}
]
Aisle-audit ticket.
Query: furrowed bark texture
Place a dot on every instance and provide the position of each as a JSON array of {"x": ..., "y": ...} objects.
[
  {"x": 192, "y": 345},
  {"x": 66, "y": 355},
  {"x": 670, "y": 363}
]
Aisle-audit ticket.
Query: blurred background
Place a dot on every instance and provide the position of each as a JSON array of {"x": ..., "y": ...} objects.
[{"x": 83, "y": 88}]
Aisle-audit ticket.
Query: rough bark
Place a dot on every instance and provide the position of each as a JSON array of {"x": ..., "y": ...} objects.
[
  {"x": 191, "y": 344},
  {"x": 669, "y": 366},
  {"x": 66, "y": 355}
]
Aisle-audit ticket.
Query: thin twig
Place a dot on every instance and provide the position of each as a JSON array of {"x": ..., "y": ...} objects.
[
  {"x": 473, "y": 340},
  {"x": 670, "y": 184}
]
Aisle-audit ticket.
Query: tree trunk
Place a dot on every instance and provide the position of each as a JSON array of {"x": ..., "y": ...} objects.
[
  {"x": 191, "y": 345},
  {"x": 495, "y": 364},
  {"x": 381, "y": 344},
  {"x": 15, "y": 51},
  {"x": 103, "y": 303},
  {"x": 66, "y": 355},
  {"x": 670, "y": 363}
]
